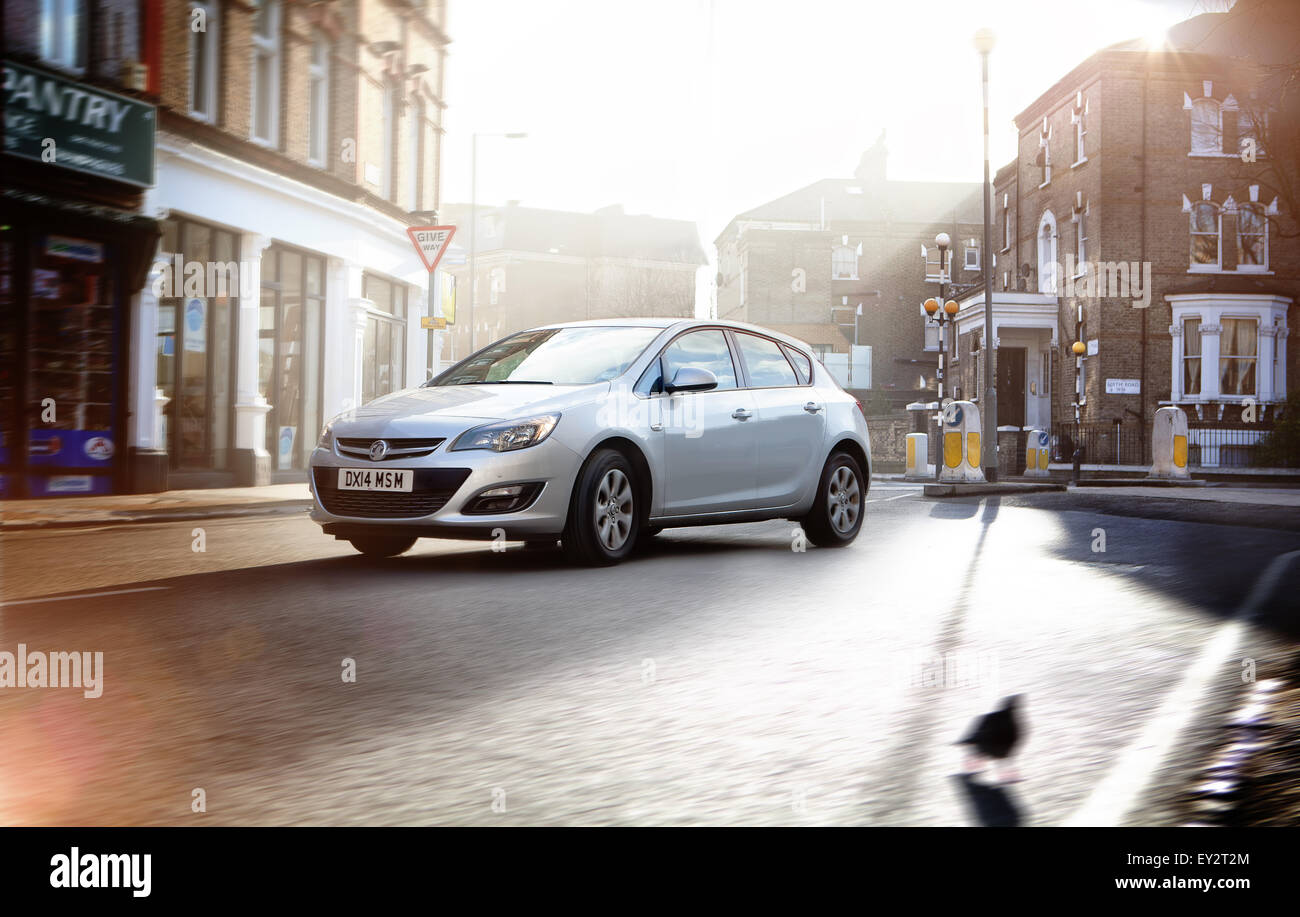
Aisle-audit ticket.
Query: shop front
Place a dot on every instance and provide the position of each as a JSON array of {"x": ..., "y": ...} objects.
[{"x": 73, "y": 250}]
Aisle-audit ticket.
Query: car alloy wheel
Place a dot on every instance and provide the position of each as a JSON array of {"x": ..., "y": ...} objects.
[
  {"x": 843, "y": 499},
  {"x": 837, "y": 511},
  {"x": 613, "y": 509},
  {"x": 605, "y": 515}
]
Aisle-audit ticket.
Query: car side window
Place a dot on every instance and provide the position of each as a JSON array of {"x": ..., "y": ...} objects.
[
  {"x": 802, "y": 365},
  {"x": 652, "y": 380},
  {"x": 704, "y": 350},
  {"x": 765, "y": 362}
]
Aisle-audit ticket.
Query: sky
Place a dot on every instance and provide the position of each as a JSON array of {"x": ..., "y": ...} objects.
[{"x": 702, "y": 109}]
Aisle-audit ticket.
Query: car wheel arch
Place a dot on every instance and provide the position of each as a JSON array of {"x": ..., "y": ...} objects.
[
  {"x": 853, "y": 448},
  {"x": 644, "y": 481}
]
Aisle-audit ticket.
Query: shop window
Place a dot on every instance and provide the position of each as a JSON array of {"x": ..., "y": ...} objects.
[
  {"x": 290, "y": 338},
  {"x": 384, "y": 344}
]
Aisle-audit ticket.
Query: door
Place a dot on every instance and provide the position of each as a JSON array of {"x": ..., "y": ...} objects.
[
  {"x": 1011, "y": 386},
  {"x": 708, "y": 436},
  {"x": 789, "y": 428}
]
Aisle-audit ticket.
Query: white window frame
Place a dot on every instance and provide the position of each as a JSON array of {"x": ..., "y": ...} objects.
[
  {"x": 839, "y": 257},
  {"x": 496, "y": 285},
  {"x": 266, "y": 48},
  {"x": 1197, "y": 266},
  {"x": 1261, "y": 268},
  {"x": 969, "y": 263},
  {"x": 1081, "y": 238},
  {"x": 1080, "y": 118},
  {"x": 211, "y": 40},
  {"x": 1223, "y": 322},
  {"x": 1200, "y": 355},
  {"x": 415, "y": 141},
  {"x": 318, "y": 99},
  {"x": 1049, "y": 282},
  {"x": 390, "y": 117},
  {"x": 63, "y": 34},
  {"x": 1045, "y": 144},
  {"x": 1006, "y": 227}
]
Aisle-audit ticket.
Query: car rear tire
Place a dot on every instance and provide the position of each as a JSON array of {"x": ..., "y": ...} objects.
[
  {"x": 382, "y": 545},
  {"x": 838, "y": 508},
  {"x": 605, "y": 515}
]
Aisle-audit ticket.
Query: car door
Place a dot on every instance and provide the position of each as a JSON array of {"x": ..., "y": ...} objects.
[
  {"x": 790, "y": 424},
  {"x": 708, "y": 436}
]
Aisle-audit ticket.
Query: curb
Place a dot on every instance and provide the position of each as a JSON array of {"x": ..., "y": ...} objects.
[
  {"x": 129, "y": 517},
  {"x": 1139, "y": 482},
  {"x": 982, "y": 490}
]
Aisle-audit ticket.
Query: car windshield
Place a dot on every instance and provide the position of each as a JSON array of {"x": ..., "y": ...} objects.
[{"x": 553, "y": 356}]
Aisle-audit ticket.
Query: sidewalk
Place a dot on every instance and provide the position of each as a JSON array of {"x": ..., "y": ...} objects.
[{"x": 172, "y": 506}]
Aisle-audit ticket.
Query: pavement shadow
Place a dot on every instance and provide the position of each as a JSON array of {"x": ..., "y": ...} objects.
[{"x": 991, "y": 806}]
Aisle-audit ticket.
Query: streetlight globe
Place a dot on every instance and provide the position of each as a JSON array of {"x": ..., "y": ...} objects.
[
  {"x": 1079, "y": 348},
  {"x": 951, "y": 307},
  {"x": 931, "y": 305},
  {"x": 985, "y": 40},
  {"x": 943, "y": 240}
]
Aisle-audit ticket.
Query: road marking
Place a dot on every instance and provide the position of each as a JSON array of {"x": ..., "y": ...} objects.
[
  {"x": 1117, "y": 794},
  {"x": 899, "y": 497},
  {"x": 85, "y": 595}
]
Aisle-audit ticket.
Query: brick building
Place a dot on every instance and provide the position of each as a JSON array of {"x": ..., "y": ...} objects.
[
  {"x": 536, "y": 266},
  {"x": 804, "y": 264},
  {"x": 1131, "y": 220}
]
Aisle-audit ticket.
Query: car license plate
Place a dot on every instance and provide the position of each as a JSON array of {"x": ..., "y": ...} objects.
[{"x": 389, "y": 479}]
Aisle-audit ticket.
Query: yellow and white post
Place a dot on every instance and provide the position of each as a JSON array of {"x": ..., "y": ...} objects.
[
  {"x": 918, "y": 458},
  {"x": 1037, "y": 454},
  {"x": 960, "y": 452},
  {"x": 1169, "y": 444}
]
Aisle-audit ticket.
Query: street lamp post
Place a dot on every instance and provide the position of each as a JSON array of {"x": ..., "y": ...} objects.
[
  {"x": 984, "y": 41},
  {"x": 1078, "y": 348},
  {"x": 941, "y": 316},
  {"x": 473, "y": 220}
]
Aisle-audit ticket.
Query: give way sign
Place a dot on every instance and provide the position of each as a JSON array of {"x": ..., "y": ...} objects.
[{"x": 431, "y": 242}]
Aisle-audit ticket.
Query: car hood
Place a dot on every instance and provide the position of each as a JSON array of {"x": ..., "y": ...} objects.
[{"x": 438, "y": 410}]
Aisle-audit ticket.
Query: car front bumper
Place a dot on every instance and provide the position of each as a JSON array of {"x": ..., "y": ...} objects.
[{"x": 460, "y": 477}]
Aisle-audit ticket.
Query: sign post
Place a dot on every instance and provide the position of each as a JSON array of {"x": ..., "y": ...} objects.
[{"x": 431, "y": 244}]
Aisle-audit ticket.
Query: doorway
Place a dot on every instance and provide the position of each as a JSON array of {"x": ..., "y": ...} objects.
[{"x": 1011, "y": 386}]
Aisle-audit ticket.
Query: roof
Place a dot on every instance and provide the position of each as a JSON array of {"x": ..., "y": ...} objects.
[
  {"x": 799, "y": 334},
  {"x": 607, "y": 233},
  {"x": 850, "y": 199}
]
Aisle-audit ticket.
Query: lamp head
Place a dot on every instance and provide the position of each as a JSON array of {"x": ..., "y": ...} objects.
[
  {"x": 951, "y": 307},
  {"x": 931, "y": 306},
  {"x": 1079, "y": 348},
  {"x": 985, "y": 40},
  {"x": 943, "y": 240}
]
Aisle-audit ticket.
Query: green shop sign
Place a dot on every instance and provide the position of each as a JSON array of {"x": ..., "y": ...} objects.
[{"x": 52, "y": 119}]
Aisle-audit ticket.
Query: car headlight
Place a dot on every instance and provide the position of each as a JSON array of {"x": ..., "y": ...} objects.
[
  {"x": 508, "y": 435},
  {"x": 326, "y": 435}
]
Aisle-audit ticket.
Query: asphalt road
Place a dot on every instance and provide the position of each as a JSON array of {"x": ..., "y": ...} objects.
[{"x": 719, "y": 677}]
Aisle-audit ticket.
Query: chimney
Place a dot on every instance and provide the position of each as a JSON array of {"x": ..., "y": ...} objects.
[{"x": 871, "y": 167}]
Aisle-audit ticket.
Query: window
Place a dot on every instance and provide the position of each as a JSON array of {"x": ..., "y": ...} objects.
[
  {"x": 936, "y": 270},
  {"x": 1238, "y": 350},
  {"x": 972, "y": 262},
  {"x": 290, "y": 372},
  {"x": 1081, "y": 245},
  {"x": 1006, "y": 227},
  {"x": 1080, "y": 133},
  {"x": 204, "y": 55},
  {"x": 1191, "y": 356},
  {"x": 266, "y": 73},
  {"x": 318, "y": 100},
  {"x": 844, "y": 263},
  {"x": 1207, "y": 126},
  {"x": 384, "y": 340},
  {"x": 390, "y": 136},
  {"x": 496, "y": 284},
  {"x": 1048, "y": 269},
  {"x": 931, "y": 341},
  {"x": 63, "y": 34},
  {"x": 765, "y": 362},
  {"x": 557, "y": 356},
  {"x": 1044, "y": 158},
  {"x": 802, "y": 365},
  {"x": 1206, "y": 224},
  {"x": 702, "y": 349},
  {"x": 415, "y": 140},
  {"x": 1252, "y": 238}
]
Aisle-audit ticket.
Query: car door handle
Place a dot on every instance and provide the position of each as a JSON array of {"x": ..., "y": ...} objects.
[
  {"x": 742, "y": 414},
  {"x": 812, "y": 407}
]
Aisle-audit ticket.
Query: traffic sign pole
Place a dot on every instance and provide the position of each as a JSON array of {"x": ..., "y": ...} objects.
[{"x": 431, "y": 244}]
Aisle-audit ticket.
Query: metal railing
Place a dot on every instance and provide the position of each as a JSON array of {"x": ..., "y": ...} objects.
[
  {"x": 1216, "y": 444},
  {"x": 1102, "y": 443}
]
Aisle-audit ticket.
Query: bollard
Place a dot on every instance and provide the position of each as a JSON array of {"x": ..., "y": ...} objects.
[
  {"x": 1036, "y": 454},
  {"x": 960, "y": 452},
  {"x": 1077, "y": 458},
  {"x": 918, "y": 454},
  {"x": 1169, "y": 444}
]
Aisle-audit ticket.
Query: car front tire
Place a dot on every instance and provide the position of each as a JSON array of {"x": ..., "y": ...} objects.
[
  {"x": 840, "y": 504},
  {"x": 605, "y": 515},
  {"x": 382, "y": 545}
]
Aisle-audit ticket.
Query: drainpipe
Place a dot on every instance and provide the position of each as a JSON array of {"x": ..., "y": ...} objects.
[{"x": 1142, "y": 256}]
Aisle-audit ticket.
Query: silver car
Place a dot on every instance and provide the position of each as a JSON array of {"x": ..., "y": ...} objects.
[{"x": 600, "y": 434}]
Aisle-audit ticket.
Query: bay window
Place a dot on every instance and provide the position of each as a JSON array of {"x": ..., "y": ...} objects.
[
  {"x": 1238, "y": 351},
  {"x": 1192, "y": 356}
]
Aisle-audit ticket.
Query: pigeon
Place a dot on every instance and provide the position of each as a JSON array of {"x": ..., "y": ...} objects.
[{"x": 996, "y": 734}]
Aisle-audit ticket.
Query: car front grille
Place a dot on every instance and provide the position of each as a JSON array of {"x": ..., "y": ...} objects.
[
  {"x": 401, "y": 448},
  {"x": 432, "y": 488}
]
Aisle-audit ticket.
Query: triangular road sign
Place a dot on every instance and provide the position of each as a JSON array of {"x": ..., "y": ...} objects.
[{"x": 431, "y": 242}]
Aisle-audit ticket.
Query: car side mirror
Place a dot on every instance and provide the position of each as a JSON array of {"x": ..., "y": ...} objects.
[{"x": 692, "y": 379}]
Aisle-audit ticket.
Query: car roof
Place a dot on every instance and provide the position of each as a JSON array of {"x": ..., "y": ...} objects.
[{"x": 683, "y": 323}]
